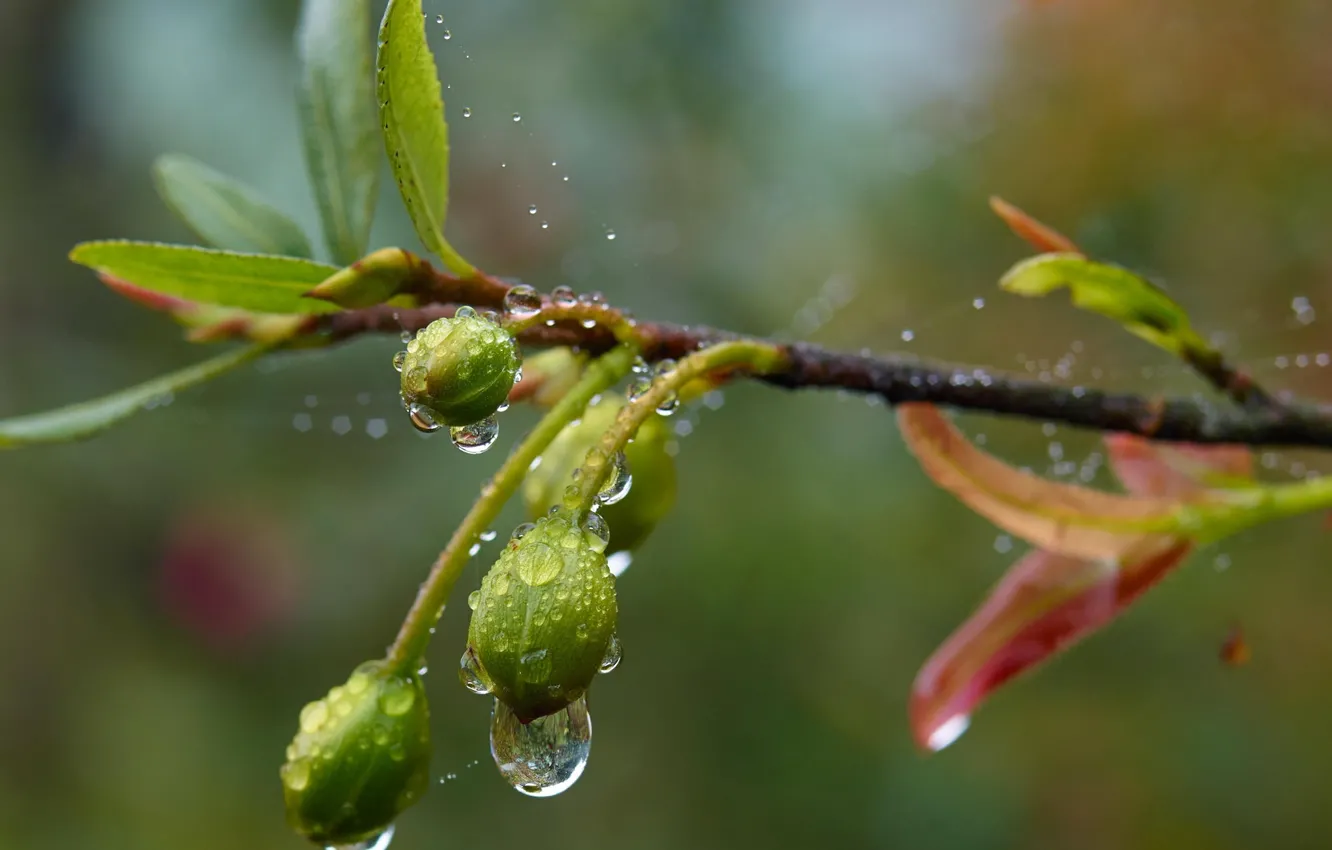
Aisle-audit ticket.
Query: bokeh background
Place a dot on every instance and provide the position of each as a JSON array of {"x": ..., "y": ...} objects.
[{"x": 172, "y": 592}]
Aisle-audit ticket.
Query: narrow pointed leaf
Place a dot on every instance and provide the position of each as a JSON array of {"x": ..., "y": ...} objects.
[
  {"x": 224, "y": 212},
  {"x": 1047, "y": 602},
  {"x": 210, "y": 323},
  {"x": 1063, "y": 518},
  {"x": 1141, "y": 307},
  {"x": 416, "y": 136},
  {"x": 257, "y": 282},
  {"x": 339, "y": 122},
  {"x": 1039, "y": 235},
  {"x": 79, "y": 421}
]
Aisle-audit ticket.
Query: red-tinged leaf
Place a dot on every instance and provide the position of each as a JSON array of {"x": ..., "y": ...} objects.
[
  {"x": 1047, "y": 602},
  {"x": 1179, "y": 471},
  {"x": 1043, "y": 604},
  {"x": 1062, "y": 518},
  {"x": 144, "y": 297},
  {"x": 1040, "y": 236},
  {"x": 1235, "y": 651}
]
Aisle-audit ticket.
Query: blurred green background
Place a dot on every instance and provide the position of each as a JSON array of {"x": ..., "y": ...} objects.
[{"x": 173, "y": 592}]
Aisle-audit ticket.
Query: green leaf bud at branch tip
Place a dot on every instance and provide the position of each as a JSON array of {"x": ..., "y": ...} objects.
[
  {"x": 544, "y": 617},
  {"x": 361, "y": 756},
  {"x": 413, "y": 637},
  {"x": 459, "y": 370}
]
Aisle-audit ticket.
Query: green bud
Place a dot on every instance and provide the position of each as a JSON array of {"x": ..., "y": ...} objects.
[
  {"x": 650, "y": 498},
  {"x": 544, "y": 618},
  {"x": 360, "y": 757},
  {"x": 460, "y": 369}
]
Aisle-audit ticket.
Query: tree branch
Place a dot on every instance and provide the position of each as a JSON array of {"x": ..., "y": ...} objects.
[{"x": 899, "y": 378}]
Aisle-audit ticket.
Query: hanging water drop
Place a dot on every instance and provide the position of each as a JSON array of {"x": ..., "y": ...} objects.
[
  {"x": 469, "y": 673},
  {"x": 522, "y": 302},
  {"x": 618, "y": 481},
  {"x": 596, "y": 524},
  {"x": 422, "y": 419},
  {"x": 564, "y": 296},
  {"x": 398, "y": 360},
  {"x": 545, "y": 757},
  {"x": 639, "y": 387},
  {"x": 379, "y": 842},
  {"x": 476, "y": 438},
  {"x": 613, "y": 655},
  {"x": 948, "y": 732},
  {"x": 640, "y": 366}
]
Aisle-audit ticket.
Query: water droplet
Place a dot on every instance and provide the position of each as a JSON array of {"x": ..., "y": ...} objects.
[
  {"x": 422, "y": 419},
  {"x": 545, "y": 225},
  {"x": 522, "y": 302},
  {"x": 517, "y": 118},
  {"x": 447, "y": 34},
  {"x": 473, "y": 598},
  {"x": 978, "y": 303},
  {"x": 469, "y": 673},
  {"x": 544, "y": 757},
  {"x": 379, "y": 842},
  {"x": 618, "y": 481},
  {"x": 467, "y": 112},
  {"x": 640, "y": 366},
  {"x": 476, "y": 438},
  {"x": 948, "y": 732},
  {"x": 619, "y": 562},
  {"x": 596, "y": 524},
  {"x": 908, "y": 335},
  {"x": 564, "y": 296},
  {"x": 521, "y": 531},
  {"x": 439, "y": 19},
  {"x": 610, "y": 235},
  {"x": 465, "y": 312},
  {"x": 639, "y": 387},
  {"x": 611, "y": 659},
  {"x": 532, "y": 210},
  {"x": 489, "y": 535},
  {"x": 472, "y": 550}
]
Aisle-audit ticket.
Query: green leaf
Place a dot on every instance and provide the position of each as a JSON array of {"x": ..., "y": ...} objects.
[
  {"x": 259, "y": 282},
  {"x": 411, "y": 109},
  {"x": 78, "y": 421},
  {"x": 338, "y": 121},
  {"x": 1142, "y": 308},
  {"x": 223, "y": 212}
]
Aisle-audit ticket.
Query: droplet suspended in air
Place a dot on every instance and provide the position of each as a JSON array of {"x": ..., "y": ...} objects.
[
  {"x": 469, "y": 673},
  {"x": 447, "y": 34},
  {"x": 545, "y": 225},
  {"x": 422, "y": 419},
  {"x": 545, "y": 757},
  {"x": 610, "y": 235},
  {"x": 522, "y": 302},
  {"x": 399, "y": 360},
  {"x": 614, "y": 653},
  {"x": 564, "y": 296},
  {"x": 467, "y": 112},
  {"x": 439, "y": 19},
  {"x": 618, "y": 481},
  {"x": 379, "y": 842},
  {"x": 476, "y": 438},
  {"x": 488, "y": 535},
  {"x": 517, "y": 118},
  {"x": 532, "y": 210}
]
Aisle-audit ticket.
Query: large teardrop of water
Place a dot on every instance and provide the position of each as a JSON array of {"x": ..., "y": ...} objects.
[
  {"x": 545, "y": 757},
  {"x": 476, "y": 438}
]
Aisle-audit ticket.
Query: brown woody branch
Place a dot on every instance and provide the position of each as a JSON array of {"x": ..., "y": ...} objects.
[{"x": 898, "y": 378}]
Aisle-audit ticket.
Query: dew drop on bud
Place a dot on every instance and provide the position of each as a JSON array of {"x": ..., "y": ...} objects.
[
  {"x": 613, "y": 655},
  {"x": 596, "y": 524},
  {"x": 522, "y": 302},
  {"x": 564, "y": 296},
  {"x": 473, "y": 598},
  {"x": 545, "y": 757},
  {"x": 618, "y": 481},
  {"x": 521, "y": 531},
  {"x": 422, "y": 419},
  {"x": 465, "y": 312},
  {"x": 469, "y": 673},
  {"x": 379, "y": 842},
  {"x": 476, "y": 438},
  {"x": 398, "y": 360}
]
